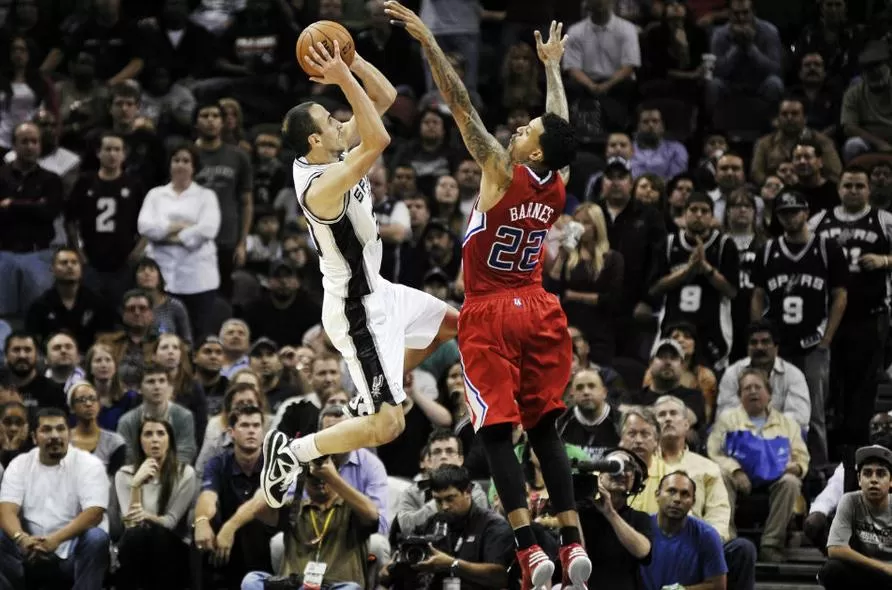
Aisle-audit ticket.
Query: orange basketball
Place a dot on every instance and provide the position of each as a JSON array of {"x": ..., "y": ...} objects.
[{"x": 325, "y": 32}]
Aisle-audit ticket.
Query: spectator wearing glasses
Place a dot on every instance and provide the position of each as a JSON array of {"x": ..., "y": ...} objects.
[
  {"x": 740, "y": 441},
  {"x": 416, "y": 505},
  {"x": 789, "y": 389},
  {"x": 109, "y": 447},
  {"x": 133, "y": 346}
]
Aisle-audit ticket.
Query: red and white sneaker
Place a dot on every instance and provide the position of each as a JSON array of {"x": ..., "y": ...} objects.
[
  {"x": 577, "y": 567},
  {"x": 536, "y": 568}
]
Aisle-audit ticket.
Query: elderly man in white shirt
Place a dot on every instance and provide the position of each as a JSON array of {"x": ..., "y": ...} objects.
[
  {"x": 52, "y": 512},
  {"x": 180, "y": 220},
  {"x": 789, "y": 390}
]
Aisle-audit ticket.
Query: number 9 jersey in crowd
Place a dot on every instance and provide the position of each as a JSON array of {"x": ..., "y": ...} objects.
[{"x": 512, "y": 334}]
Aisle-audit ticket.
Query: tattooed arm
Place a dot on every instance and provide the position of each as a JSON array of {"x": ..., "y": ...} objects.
[
  {"x": 483, "y": 147},
  {"x": 550, "y": 53}
]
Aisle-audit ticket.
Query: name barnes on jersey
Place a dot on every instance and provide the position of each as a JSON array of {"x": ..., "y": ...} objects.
[{"x": 537, "y": 211}]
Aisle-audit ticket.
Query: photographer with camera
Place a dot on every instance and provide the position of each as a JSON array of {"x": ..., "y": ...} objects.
[
  {"x": 326, "y": 535},
  {"x": 618, "y": 537},
  {"x": 416, "y": 504},
  {"x": 461, "y": 542}
]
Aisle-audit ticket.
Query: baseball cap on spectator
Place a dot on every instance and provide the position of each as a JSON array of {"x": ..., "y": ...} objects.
[
  {"x": 435, "y": 225},
  {"x": 617, "y": 166},
  {"x": 876, "y": 52},
  {"x": 261, "y": 344},
  {"x": 435, "y": 275},
  {"x": 668, "y": 343},
  {"x": 877, "y": 452},
  {"x": 789, "y": 201},
  {"x": 283, "y": 266}
]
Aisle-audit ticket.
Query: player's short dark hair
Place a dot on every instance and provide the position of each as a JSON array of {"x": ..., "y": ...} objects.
[
  {"x": 128, "y": 89},
  {"x": 854, "y": 169},
  {"x": 558, "y": 142},
  {"x": 193, "y": 153},
  {"x": 444, "y": 434},
  {"x": 450, "y": 476},
  {"x": 298, "y": 127},
  {"x": 762, "y": 325},
  {"x": 19, "y": 335},
  {"x": 698, "y": 197},
  {"x": 819, "y": 152},
  {"x": 684, "y": 474}
]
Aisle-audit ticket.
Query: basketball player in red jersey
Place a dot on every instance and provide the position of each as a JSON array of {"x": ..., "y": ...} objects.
[{"x": 512, "y": 334}]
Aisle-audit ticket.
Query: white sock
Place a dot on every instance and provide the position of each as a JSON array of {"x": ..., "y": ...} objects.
[{"x": 304, "y": 448}]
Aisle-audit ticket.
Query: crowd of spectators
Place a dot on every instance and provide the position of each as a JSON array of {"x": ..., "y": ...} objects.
[{"x": 160, "y": 295}]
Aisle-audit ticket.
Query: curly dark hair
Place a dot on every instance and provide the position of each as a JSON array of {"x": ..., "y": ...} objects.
[{"x": 558, "y": 142}]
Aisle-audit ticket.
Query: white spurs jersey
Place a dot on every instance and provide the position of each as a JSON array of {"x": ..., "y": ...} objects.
[{"x": 349, "y": 247}]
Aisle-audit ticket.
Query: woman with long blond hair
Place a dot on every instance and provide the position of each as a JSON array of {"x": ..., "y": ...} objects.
[
  {"x": 102, "y": 374},
  {"x": 590, "y": 280}
]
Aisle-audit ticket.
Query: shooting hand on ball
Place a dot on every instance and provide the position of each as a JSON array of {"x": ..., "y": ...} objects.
[{"x": 331, "y": 68}]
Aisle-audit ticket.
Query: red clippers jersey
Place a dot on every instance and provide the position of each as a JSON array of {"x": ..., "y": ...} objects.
[{"x": 502, "y": 247}]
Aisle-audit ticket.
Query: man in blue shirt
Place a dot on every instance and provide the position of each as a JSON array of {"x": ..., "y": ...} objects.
[{"x": 686, "y": 550}]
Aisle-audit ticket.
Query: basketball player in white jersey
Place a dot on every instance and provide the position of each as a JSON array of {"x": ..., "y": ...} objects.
[{"x": 371, "y": 321}]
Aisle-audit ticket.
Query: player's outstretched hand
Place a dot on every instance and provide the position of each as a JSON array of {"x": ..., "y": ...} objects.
[
  {"x": 332, "y": 68},
  {"x": 400, "y": 16},
  {"x": 552, "y": 51}
]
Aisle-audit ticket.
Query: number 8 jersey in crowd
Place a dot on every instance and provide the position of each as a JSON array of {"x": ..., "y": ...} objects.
[{"x": 512, "y": 334}]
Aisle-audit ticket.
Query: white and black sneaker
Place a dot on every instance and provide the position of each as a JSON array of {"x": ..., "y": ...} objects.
[
  {"x": 281, "y": 469},
  {"x": 359, "y": 406}
]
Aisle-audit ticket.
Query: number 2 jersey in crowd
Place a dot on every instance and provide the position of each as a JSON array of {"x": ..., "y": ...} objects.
[
  {"x": 798, "y": 280},
  {"x": 866, "y": 232},
  {"x": 512, "y": 334}
]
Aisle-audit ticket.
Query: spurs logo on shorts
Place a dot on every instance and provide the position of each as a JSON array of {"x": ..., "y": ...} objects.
[{"x": 377, "y": 384}]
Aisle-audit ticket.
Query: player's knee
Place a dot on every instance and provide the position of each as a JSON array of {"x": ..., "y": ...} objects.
[{"x": 389, "y": 423}]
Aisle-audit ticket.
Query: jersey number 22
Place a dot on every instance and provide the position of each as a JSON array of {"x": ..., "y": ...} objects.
[{"x": 516, "y": 249}]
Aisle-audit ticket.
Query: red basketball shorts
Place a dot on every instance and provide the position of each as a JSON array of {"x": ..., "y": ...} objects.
[{"x": 516, "y": 354}]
